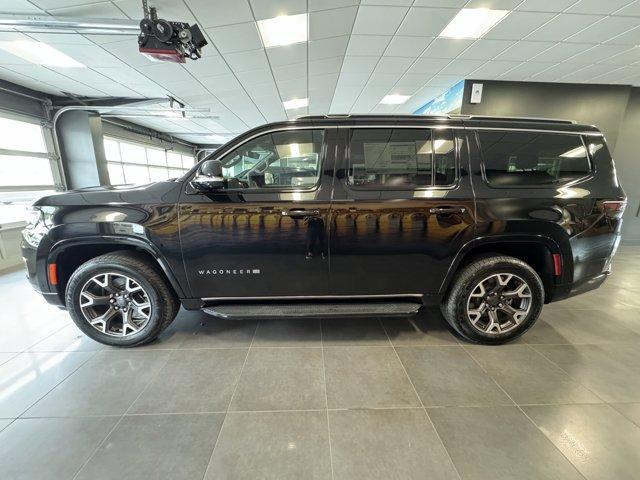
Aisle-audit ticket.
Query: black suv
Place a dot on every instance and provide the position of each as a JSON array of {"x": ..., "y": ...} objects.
[{"x": 342, "y": 215}]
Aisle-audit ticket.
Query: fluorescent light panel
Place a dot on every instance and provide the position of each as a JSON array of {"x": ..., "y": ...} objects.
[
  {"x": 473, "y": 22},
  {"x": 394, "y": 99},
  {"x": 39, "y": 53},
  {"x": 283, "y": 30},
  {"x": 295, "y": 103}
]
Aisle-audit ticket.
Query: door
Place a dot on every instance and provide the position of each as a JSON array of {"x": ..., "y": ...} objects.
[
  {"x": 402, "y": 208},
  {"x": 265, "y": 234}
]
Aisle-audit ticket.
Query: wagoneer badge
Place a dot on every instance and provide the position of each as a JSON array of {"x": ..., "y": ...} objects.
[{"x": 230, "y": 271}]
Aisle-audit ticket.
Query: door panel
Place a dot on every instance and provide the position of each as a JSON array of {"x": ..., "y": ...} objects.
[
  {"x": 257, "y": 243},
  {"x": 386, "y": 242}
]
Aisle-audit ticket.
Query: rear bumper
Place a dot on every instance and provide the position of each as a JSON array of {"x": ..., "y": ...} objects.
[{"x": 572, "y": 289}]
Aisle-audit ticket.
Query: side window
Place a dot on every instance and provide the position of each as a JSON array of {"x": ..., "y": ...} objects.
[
  {"x": 283, "y": 159},
  {"x": 401, "y": 158},
  {"x": 532, "y": 159}
]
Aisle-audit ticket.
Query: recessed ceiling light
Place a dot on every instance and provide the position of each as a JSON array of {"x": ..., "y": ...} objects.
[
  {"x": 39, "y": 53},
  {"x": 283, "y": 30},
  {"x": 473, "y": 22},
  {"x": 295, "y": 103},
  {"x": 395, "y": 99}
]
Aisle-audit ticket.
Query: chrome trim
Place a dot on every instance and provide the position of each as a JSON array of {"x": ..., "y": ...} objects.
[
  {"x": 538, "y": 130},
  {"x": 312, "y": 297}
]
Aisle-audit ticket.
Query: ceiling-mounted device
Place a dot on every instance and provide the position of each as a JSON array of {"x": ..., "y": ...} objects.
[{"x": 166, "y": 41}]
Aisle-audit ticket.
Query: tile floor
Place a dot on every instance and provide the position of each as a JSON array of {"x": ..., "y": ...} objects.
[{"x": 335, "y": 399}]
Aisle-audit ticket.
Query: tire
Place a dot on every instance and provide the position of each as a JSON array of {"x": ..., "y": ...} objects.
[
  {"x": 102, "y": 277},
  {"x": 476, "y": 312}
]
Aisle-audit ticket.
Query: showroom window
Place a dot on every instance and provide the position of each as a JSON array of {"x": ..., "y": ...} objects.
[
  {"x": 532, "y": 159},
  {"x": 401, "y": 158},
  {"x": 26, "y": 171},
  {"x": 135, "y": 163},
  {"x": 277, "y": 160}
]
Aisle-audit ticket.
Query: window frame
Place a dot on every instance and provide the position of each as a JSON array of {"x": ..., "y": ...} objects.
[
  {"x": 313, "y": 188},
  {"x": 554, "y": 185},
  {"x": 381, "y": 188}
]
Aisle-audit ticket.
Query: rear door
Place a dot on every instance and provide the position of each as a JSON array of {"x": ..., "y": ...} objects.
[{"x": 402, "y": 208}]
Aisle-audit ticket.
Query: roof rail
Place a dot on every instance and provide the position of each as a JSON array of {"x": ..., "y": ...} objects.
[
  {"x": 520, "y": 119},
  {"x": 451, "y": 116}
]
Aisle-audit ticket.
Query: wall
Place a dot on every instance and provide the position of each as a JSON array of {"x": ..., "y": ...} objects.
[{"x": 615, "y": 109}]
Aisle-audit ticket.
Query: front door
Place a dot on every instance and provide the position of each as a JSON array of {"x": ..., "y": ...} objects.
[
  {"x": 402, "y": 208},
  {"x": 266, "y": 234}
]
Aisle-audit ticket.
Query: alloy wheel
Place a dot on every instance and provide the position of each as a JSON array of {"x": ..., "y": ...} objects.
[
  {"x": 115, "y": 304},
  {"x": 499, "y": 303}
]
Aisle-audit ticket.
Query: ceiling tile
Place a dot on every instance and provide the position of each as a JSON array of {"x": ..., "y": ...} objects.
[
  {"x": 167, "y": 9},
  {"x": 286, "y": 72},
  {"x": 92, "y": 55},
  {"x": 446, "y": 47},
  {"x": 330, "y": 65},
  {"x": 375, "y": 20},
  {"x": 485, "y": 49},
  {"x": 226, "y": 12},
  {"x": 221, "y": 83},
  {"x": 586, "y": 73},
  {"x": 208, "y": 66},
  {"x": 563, "y": 26},
  {"x": 524, "y": 51},
  {"x": 545, "y": 5},
  {"x": 316, "y": 5},
  {"x": 597, "y": 6},
  {"x": 555, "y": 72},
  {"x": 440, "y": 3},
  {"x": 494, "y": 4},
  {"x": 287, "y": 54},
  {"x": 633, "y": 9},
  {"x": 632, "y": 37},
  {"x": 328, "y": 47},
  {"x": 525, "y": 70},
  {"x": 387, "y": 80},
  {"x": 371, "y": 45},
  {"x": 493, "y": 69},
  {"x": 461, "y": 67},
  {"x": 393, "y": 64},
  {"x": 357, "y": 64},
  {"x": 249, "y": 60},
  {"x": 599, "y": 53},
  {"x": 401, "y": 46},
  {"x": 605, "y": 29},
  {"x": 396, "y": 3},
  {"x": 561, "y": 52},
  {"x": 167, "y": 72},
  {"x": 235, "y": 38},
  {"x": 428, "y": 65},
  {"x": 426, "y": 22},
  {"x": 518, "y": 25},
  {"x": 292, "y": 88},
  {"x": 19, "y": 6},
  {"x": 269, "y": 9},
  {"x": 631, "y": 55},
  {"x": 331, "y": 23},
  {"x": 444, "y": 80}
]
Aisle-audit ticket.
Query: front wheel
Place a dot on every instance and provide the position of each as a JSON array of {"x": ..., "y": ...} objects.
[
  {"x": 494, "y": 300},
  {"x": 120, "y": 299}
]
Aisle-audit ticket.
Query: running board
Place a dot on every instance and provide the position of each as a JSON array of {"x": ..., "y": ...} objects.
[{"x": 279, "y": 310}]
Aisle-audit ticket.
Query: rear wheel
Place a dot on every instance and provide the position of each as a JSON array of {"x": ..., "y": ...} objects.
[
  {"x": 120, "y": 299},
  {"x": 494, "y": 300}
]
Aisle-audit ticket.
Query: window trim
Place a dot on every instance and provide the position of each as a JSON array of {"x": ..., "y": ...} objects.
[
  {"x": 314, "y": 188},
  {"x": 376, "y": 188},
  {"x": 554, "y": 185}
]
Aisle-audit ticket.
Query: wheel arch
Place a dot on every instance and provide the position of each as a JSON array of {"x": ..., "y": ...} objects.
[
  {"x": 535, "y": 250},
  {"x": 69, "y": 254}
]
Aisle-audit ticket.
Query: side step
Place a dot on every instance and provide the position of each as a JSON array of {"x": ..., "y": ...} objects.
[{"x": 279, "y": 310}]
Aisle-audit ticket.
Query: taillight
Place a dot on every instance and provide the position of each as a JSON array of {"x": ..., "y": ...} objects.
[
  {"x": 53, "y": 274},
  {"x": 613, "y": 208}
]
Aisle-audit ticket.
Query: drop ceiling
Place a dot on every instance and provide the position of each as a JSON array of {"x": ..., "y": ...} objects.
[{"x": 357, "y": 53}]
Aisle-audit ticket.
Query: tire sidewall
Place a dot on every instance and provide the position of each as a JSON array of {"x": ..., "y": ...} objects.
[
  {"x": 537, "y": 298},
  {"x": 74, "y": 288}
]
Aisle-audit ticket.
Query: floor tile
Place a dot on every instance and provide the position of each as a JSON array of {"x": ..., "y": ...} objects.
[
  {"x": 578, "y": 327},
  {"x": 629, "y": 410},
  {"x": 499, "y": 443},
  {"x": 50, "y": 448},
  {"x": 29, "y": 376},
  {"x": 383, "y": 444},
  {"x": 546, "y": 383},
  {"x": 67, "y": 339},
  {"x": 185, "y": 326},
  {"x": 361, "y": 377},
  {"x": 446, "y": 376},
  {"x": 105, "y": 385},
  {"x": 281, "y": 379},
  {"x": 598, "y": 440},
  {"x": 353, "y": 331},
  {"x": 193, "y": 381},
  {"x": 288, "y": 332},
  {"x": 218, "y": 333},
  {"x": 171, "y": 447},
  {"x": 426, "y": 328},
  {"x": 272, "y": 445},
  {"x": 610, "y": 371}
]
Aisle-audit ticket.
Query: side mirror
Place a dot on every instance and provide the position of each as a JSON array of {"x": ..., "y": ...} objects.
[{"x": 209, "y": 176}]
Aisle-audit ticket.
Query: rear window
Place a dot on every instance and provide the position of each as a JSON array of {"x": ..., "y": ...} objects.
[
  {"x": 381, "y": 158},
  {"x": 532, "y": 159}
]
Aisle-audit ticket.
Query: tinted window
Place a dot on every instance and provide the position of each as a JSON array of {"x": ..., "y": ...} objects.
[
  {"x": 276, "y": 160},
  {"x": 520, "y": 158},
  {"x": 401, "y": 158}
]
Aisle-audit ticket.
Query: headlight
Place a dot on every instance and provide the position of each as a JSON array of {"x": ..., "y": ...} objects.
[{"x": 33, "y": 216}]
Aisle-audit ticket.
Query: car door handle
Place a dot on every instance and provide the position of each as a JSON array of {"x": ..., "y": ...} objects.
[
  {"x": 446, "y": 210},
  {"x": 300, "y": 213}
]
